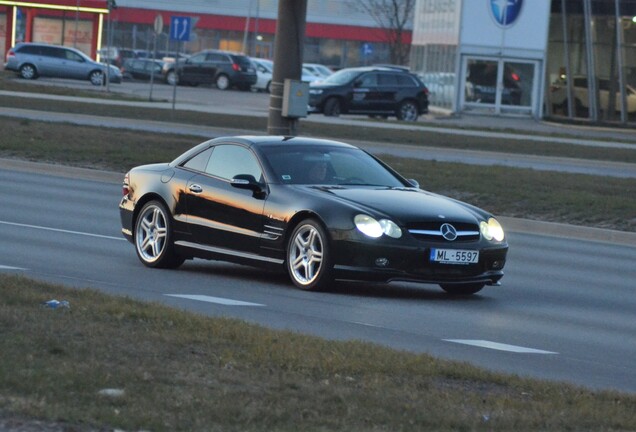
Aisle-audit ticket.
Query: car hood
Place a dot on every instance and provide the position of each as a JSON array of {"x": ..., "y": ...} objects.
[
  {"x": 319, "y": 84},
  {"x": 404, "y": 204}
]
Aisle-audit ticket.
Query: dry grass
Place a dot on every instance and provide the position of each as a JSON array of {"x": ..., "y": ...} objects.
[
  {"x": 548, "y": 196},
  {"x": 181, "y": 371},
  {"x": 420, "y": 137}
]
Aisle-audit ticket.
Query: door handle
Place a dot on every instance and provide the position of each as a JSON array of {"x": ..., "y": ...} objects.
[{"x": 195, "y": 188}]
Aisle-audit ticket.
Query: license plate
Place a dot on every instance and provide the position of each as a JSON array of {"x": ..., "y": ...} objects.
[{"x": 454, "y": 256}]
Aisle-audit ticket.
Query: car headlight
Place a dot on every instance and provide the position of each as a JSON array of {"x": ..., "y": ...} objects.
[
  {"x": 373, "y": 228},
  {"x": 315, "y": 91},
  {"x": 491, "y": 230}
]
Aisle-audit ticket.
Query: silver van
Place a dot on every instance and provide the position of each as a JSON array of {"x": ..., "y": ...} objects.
[{"x": 33, "y": 60}]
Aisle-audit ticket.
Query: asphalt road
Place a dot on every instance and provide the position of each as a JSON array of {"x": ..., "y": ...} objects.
[{"x": 564, "y": 312}]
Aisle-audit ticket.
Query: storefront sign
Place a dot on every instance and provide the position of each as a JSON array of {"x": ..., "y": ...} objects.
[{"x": 505, "y": 24}]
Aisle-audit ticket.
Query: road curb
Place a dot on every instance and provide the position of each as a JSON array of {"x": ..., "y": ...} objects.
[
  {"x": 553, "y": 229},
  {"x": 525, "y": 226}
]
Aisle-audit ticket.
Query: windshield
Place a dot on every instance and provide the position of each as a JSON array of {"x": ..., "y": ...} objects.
[
  {"x": 341, "y": 77},
  {"x": 326, "y": 165}
]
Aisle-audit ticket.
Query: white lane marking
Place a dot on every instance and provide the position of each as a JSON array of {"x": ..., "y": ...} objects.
[
  {"x": 499, "y": 346},
  {"x": 217, "y": 300},
  {"x": 3, "y": 267},
  {"x": 60, "y": 230}
]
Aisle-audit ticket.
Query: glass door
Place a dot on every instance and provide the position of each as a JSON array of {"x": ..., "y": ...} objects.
[{"x": 499, "y": 85}]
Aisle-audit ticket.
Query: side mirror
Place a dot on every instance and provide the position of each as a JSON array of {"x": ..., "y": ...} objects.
[
  {"x": 357, "y": 83},
  {"x": 248, "y": 182},
  {"x": 414, "y": 183}
]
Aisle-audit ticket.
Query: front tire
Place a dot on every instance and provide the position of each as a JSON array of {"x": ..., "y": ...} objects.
[
  {"x": 308, "y": 256},
  {"x": 407, "y": 111},
  {"x": 171, "y": 78},
  {"x": 97, "y": 78},
  {"x": 462, "y": 289},
  {"x": 332, "y": 107},
  {"x": 28, "y": 71},
  {"x": 153, "y": 237}
]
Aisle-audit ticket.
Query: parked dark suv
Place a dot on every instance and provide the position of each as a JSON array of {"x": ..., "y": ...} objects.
[
  {"x": 379, "y": 91},
  {"x": 223, "y": 68}
]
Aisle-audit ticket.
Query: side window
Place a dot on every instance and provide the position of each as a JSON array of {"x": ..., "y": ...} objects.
[
  {"x": 388, "y": 80},
  {"x": 405, "y": 81},
  {"x": 198, "y": 58},
  {"x": 200, "y": 161},
  {"x": 30, "y": 49},
  {"x": 228, "y": 161},
  {"x": 70, "y": 55},
  {"x": 369, "y": 80},
  {"x": 580, "y": 82},
  {"x": 51, "y": 52},
  {"x": 217, "y": 58}
]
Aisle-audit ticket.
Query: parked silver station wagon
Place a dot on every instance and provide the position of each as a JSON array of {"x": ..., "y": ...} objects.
[{"x": 33, "y": 60}]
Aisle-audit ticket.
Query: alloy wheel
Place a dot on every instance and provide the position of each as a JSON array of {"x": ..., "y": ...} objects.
[
  {"x": 151, "y": 234},
  {"x": 306, "y": 256}
]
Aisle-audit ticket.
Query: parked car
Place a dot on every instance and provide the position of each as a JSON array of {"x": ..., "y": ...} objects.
[
  {"x": 143, "y": 69},
  {"x": 33, "y": 60},
  {"x": 118, "y": 56},
  {"x": 372, "y": 91},
  {"x": 317, "y": 69},
  {"x": 265, "y": 70},
  {"x": 321, "y": 210},
  {"x": 559, "y": 97},
  {"x": 225, "y": 69}
]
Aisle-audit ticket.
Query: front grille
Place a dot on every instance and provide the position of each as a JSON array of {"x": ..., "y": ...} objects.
[{"x": 433, "y": 231}]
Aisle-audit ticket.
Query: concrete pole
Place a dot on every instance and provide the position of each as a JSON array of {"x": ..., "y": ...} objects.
[{"x": 288, "y": 59}]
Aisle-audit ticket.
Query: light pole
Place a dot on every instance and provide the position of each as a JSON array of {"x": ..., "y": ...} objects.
[
  {"x": 76, "y": 23},
  {"x": 288, "y": 58},
  {"x": 112, "y": 5}
]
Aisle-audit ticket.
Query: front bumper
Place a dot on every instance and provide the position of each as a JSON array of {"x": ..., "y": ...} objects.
[{"x": 361, "y": 261}]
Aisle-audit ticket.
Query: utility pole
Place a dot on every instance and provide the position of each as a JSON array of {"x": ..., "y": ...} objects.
[
  {"x": 288, "y": 59},
  {"x": 112, "y": 5}
]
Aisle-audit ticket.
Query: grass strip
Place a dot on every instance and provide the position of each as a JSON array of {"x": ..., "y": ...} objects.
[
  {"x": 419, "y": 137},
  {"x": 184, "y": 372}
]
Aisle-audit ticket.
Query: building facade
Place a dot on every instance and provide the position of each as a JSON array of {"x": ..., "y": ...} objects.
[
  {"x": 561, "y": 58},
  {"x": 338, "y": 32}
]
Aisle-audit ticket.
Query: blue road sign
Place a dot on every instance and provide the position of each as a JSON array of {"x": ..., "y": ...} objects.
[
  {"x": 180, "y": 27},
  {"x": 367, "y": 49}
]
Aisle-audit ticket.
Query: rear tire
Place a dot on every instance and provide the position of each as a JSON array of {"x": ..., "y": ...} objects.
[
  {"x": 462, "y": 289},
  {"x": 222, "y": 82},
  {"x": 332, "y": 107},
  {"x": 153, "y": 237},
  {"x": 308, "y": 256},
  {"x": 28, "y": 71},
  {"x": 407, "y": 111}
]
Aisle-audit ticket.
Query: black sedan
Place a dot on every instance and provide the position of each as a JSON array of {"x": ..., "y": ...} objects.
[{"x": 322, "y": 210}]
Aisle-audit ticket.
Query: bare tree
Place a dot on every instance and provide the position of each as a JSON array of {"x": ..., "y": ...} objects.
[{"x": 392, "y": 17}]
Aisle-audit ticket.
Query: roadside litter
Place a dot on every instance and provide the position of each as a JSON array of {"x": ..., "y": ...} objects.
[{"x": 56, "y": 304}]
